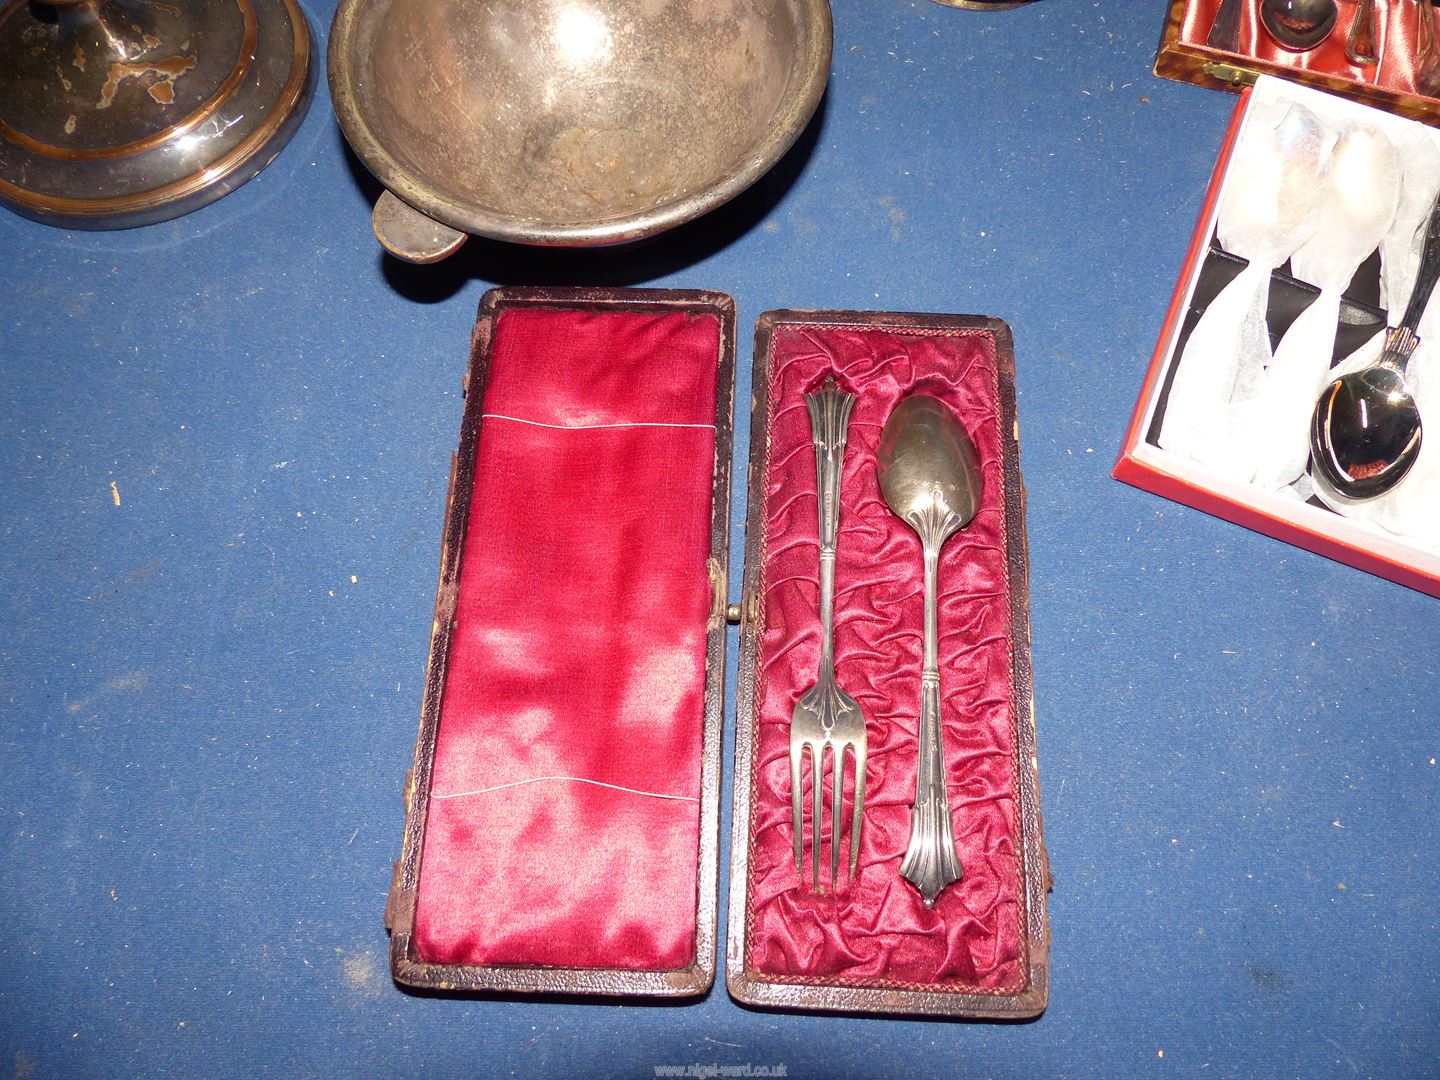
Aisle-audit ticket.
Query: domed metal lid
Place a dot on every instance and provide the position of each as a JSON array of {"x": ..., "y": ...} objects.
[{"x": 116, "y": 113}]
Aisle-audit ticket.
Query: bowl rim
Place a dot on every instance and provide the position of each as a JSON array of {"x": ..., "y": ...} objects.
[{"x": 797, "y": 108}]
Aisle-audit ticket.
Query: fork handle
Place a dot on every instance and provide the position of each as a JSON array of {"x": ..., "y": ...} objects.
[{"x": 829, "y": 409}]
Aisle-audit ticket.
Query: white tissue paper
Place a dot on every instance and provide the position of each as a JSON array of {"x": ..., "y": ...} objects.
[
  {"x": 1362, "y": 189},
  {"x": 1268, "y": 209},
  {"x": 1400, "y": 250}
]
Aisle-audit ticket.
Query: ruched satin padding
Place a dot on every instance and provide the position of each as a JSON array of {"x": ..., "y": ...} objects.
[
  {"x": 1396, "y": 42},
  {"x": 563, "y": 826},
  {"x": 877, "y": 932}
]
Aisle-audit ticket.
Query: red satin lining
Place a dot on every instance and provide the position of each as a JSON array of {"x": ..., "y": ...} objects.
[
  {"x": 878, "y": 932},
  {"x": 578, "y": 652},
  {"x": 1396, "y": 29}
]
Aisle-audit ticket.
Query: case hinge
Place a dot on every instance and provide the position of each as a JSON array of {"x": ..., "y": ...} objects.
[
  {"x": 1229, "y": 73},
  {"x": 746, "y": 612}
]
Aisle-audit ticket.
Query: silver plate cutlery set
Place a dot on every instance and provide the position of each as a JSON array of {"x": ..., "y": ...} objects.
[{"x": 929, "y": 474}]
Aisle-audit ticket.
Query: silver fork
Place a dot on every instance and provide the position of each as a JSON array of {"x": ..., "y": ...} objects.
[{"x": 826, "y": 716}]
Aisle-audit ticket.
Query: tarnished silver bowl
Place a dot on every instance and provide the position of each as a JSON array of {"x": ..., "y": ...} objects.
[{"x": 568, "y": 122}]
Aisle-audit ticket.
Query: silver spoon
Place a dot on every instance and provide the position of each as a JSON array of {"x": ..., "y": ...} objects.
[
  {"x": 930, "y": 476},
  {"x": 1365, "y": 433},
  {"x": 1298, "y": 25}
]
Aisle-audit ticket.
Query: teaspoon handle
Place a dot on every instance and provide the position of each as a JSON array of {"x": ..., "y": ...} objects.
[
  {"x": 930, "y": 861},
  {"x": 1360, "y": 46},
  {"x": 829, "y": 409},
  {"x": 1225, "y": 30}
]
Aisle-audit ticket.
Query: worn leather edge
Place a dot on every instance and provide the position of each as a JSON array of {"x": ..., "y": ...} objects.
[
  {"x": 695, "y": 979},
  {"x": 1032, "y": 999}
]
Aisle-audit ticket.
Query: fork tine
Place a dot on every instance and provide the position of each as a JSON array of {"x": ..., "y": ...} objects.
[
  {"x": 797, "y": 816},
  {"x": 837, "y": 789},
  {"x": 817, "y": 793},
  {"x": 857, "y": 813}
]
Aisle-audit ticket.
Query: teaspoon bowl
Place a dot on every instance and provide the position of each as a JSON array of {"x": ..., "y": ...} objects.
[
  {"x": 1366, "y": 432},
  {"x": 1299, "y": 25},
  {"x": 926, "y": 462}
]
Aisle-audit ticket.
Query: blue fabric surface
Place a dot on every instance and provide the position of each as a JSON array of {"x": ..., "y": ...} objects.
[{"x": 224, "y": 444}]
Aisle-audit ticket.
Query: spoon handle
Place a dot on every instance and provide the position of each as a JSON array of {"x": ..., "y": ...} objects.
[
  {"x": 1225, "y": 30},
  {"x": 1360, "y": 46},
  {"x": 1428, "y": 64},
  {"x": 930, "y": 861},
  {"x": 829, "y": 409}
]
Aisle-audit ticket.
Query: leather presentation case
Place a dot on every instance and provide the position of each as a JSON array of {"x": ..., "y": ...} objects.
[
  {"x": 564, "y": 839},
  {"x": 562, "y": 816},
  {"x": 1392, "y": 84},
  {"x": 870, "y": 944}
]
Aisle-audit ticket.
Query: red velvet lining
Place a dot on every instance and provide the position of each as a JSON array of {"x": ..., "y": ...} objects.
[
  {"x": 1396, "y": 29},
  {"x": 578, "y": 651},
  {"x": 878, "y": 932}
]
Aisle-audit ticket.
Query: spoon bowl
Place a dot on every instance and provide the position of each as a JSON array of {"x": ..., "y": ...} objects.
[
  {"x": 927, "y": 465},
  {"x": 1299, "y": 25},
  {"x": 1367, "y": 431}
]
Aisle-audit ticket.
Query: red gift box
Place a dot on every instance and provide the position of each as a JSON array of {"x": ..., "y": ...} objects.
[
  {"x": 1143, "y": 463},
  {"x": 1401, "y": 81}
]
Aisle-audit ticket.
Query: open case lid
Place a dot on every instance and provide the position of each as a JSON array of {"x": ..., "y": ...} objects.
[{"x": 570, "y": 842}]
